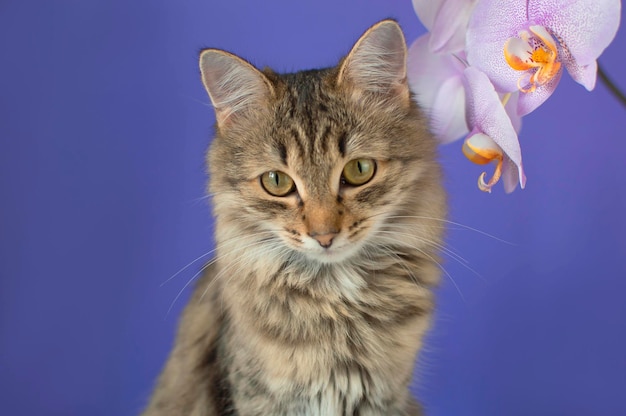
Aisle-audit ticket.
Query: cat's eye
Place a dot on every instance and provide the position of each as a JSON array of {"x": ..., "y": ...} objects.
[
  {"x": 359, "y": 171},
  {"x": 277, "y": 183}
]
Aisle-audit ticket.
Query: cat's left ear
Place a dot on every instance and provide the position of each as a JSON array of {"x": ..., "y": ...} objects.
[{"x": 377, "y": 62}]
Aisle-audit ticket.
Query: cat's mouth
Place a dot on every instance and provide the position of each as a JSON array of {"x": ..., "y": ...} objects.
[
  {"x": 339, "y": 251},
  {"x": 328, "y": 248}
]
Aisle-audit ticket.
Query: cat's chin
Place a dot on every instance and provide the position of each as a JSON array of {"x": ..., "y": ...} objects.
[{"x": 333, "y": 255}]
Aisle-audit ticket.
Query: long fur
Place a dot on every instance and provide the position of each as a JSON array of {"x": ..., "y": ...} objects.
[{"x": 279, "y": 325}]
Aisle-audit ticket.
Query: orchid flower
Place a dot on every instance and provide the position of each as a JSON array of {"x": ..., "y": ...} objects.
[
  {"x": 523, "y": 45},
  {"x": 437, "y": 80},
  {"x": 447, "y": 21},
  {"x": 493, "y": 135},
  {"x": 457, "y": 97},
  {"x": 486, "y": 63}
]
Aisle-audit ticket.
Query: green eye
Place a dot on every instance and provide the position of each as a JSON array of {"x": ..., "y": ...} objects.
[
  {"x": 277, "y": 183},
  {"x": 359, "y": 171}
]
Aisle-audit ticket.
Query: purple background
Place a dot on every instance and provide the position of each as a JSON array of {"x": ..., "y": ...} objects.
[{"x": 103, "y": 127}]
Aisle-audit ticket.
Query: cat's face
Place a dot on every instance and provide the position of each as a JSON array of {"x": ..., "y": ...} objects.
[{"x": 319, "y": 161}]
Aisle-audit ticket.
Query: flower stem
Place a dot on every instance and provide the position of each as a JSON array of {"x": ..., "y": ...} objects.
[
  {"x": 611, "y": 85},
  {"x": 505, "y": 99}
]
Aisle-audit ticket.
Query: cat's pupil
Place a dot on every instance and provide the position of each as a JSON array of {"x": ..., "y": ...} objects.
[{"x": 274, "y": 178}]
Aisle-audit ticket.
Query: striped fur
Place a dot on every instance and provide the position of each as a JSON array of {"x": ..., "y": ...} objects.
[{"x": 279, "y": 324}]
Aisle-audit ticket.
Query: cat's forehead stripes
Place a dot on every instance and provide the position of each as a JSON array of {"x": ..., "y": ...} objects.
[
  {"x": 306, "y": 108},
  {"x": 282, "y": 151},
  {"x": 341, "y": 143}
]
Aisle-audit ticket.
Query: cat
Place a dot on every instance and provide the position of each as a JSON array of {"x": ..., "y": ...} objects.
[{"x": 328, "y": 203}]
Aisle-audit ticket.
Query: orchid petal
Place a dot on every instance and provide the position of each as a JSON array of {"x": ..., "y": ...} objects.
[
  {"x": 426, "y": 11},
  {"x": 530, "y": 101},
  {"x": 492, "y": 23},
  {"x": 450, "y": 26},
  {"x": 448, "y": 111},
  {"x": 436, "y": 81},
  {"x": 511, "y": 108},
  {"x": 426, "y": 71},
  {"x": 510, "y": 177},
  {"x": 486, "y": 114},
  {"x": 513, "y": 49},
  {"x": 481, "y": 149},
  {"x": 584, "y": 27},
  {"x": 584, "y": 75}
]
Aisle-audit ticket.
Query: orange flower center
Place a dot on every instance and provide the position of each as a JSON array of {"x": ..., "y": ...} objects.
[
  {"x": 536, "y": 54},
  {"x": 481, "y": 149}
]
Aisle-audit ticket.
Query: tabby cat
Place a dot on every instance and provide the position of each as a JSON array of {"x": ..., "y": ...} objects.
[{"x": 328, "y": 204}]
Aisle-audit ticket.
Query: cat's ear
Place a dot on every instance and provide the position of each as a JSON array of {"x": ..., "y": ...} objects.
[
  {"x": 377, "y": 62},
  {"x": 234, "y": 86}
]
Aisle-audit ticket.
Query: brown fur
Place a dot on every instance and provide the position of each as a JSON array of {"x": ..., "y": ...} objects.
[{"x": 279, "y": 325}]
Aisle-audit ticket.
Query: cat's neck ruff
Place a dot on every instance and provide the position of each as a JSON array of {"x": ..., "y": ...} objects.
[{"x": 271, "y": 263}]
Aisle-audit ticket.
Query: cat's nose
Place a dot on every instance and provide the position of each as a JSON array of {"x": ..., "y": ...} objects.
[{"x": 325, "y": 240}]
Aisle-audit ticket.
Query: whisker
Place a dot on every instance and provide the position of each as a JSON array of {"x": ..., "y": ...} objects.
[
  {"x": 199, "y": 199},
  {"x": 463, "y": 226},
  {"x": 185, "y": 287},
  {"x": 458, "y": 226},
  {"x": 188, "y": 265},
  {"x": 205, "y": 267},
  {"x": 237, "y": 261},
  {"x": 462, "y": 261},
  {"x": 440, "y": 266},
  {"x": 189, "y": 97},
  {"x": 446, "y": 248},
  {"x": 390, "y": 251},
  {"x": 228, "y": 242},
  {"x": 232, "y": 264},
  {"x": 433, "y": 243}
]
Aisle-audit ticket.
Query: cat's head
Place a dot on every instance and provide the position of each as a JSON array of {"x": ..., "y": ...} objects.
[{"x": 319, "y": 162}]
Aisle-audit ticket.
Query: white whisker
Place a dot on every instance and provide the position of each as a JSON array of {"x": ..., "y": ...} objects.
[
  {"x": 242, "y": 265},
  {"x": 454, "y": 256},
  {"x": 395, "y": 242},
  {"x": 463, "y": 226},
  {"x": 208, "y": 265},
  {"x": 226, "y": 243},
  {"x": 391, "y": 252}
]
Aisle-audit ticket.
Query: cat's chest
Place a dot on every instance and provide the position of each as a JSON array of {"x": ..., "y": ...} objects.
[
  {"x": 341, "y": 392},
  {"x": 321, "y": 355},
  {"x": 329, "y": 376},
  {"x": 315, "y": 389}
]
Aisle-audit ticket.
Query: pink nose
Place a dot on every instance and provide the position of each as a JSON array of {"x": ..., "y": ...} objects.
[{"x": 325, "y": 240}]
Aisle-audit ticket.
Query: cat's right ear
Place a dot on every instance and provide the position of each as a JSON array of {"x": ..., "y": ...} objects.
[{"x": 234, "y": 86}]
